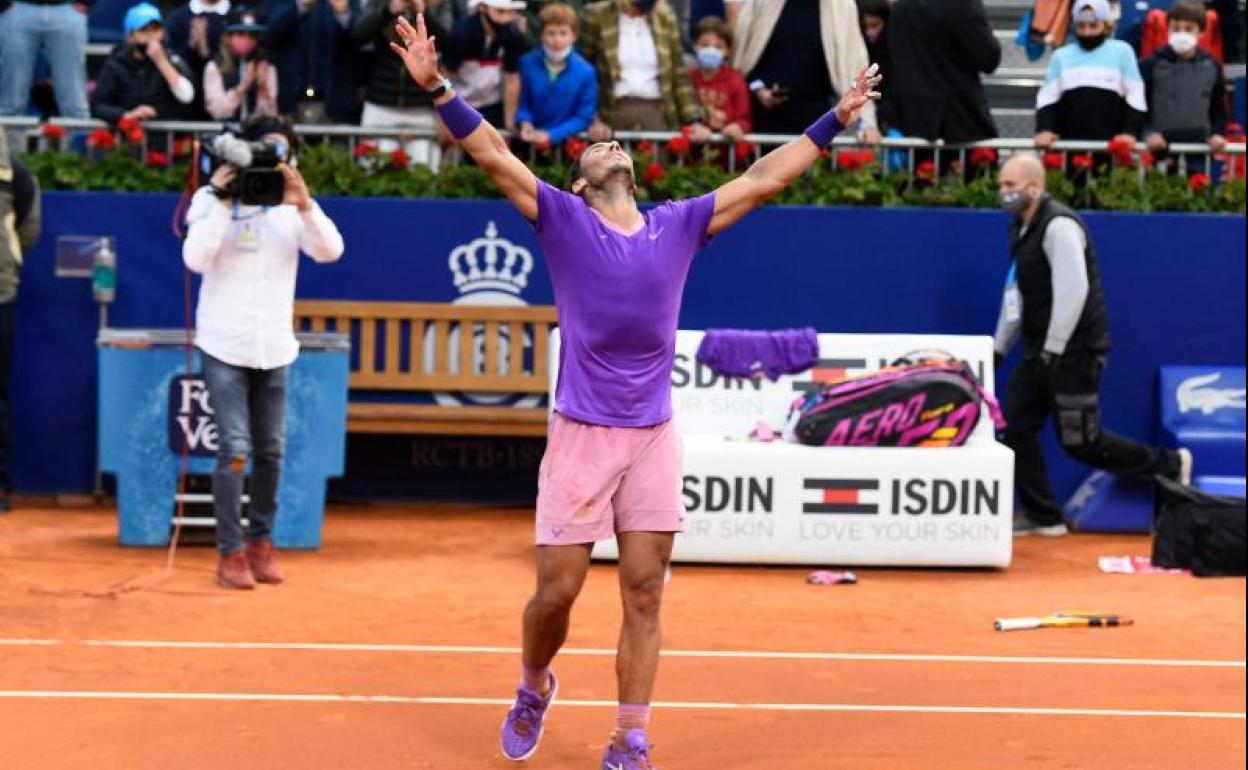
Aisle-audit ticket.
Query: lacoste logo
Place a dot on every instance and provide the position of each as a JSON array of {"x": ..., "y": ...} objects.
[{"x": 1192, "y": 394}]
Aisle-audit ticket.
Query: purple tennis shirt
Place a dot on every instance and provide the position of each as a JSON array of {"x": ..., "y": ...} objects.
[{"x": 618, "y": 300}]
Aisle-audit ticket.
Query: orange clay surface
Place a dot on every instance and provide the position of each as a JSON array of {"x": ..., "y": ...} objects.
[{"x": 422, "y": 604}]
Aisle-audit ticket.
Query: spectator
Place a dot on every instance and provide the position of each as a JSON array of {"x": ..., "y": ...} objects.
[
  {"x": 249, "y": 257},
  {"x": 19, "y": 229},
  {"x": 798, "y": 56},
  {"x": 1183, "y": 86},
  {"x": 558, "y": 88},
  {"x": 141, "y": 80},
  {"x": 532, "y": 17},
  {"x": 483, "y": 57},
  {"x": 194, "y": 32},
  {"x": 873, "y": 18},
  {"x": 391, "y": 100},
  {"x": 939, "y": 47},
  {"x": 282, "y": 42},
  {"x": 240, "y": 81},
  {"x": 642, "y": 82},
  {"x": 58, "y": 28},
  {"x": 1093, "y": 88},
  {"x": 331, "y": 82},
  {"x": 721, "y": 89}
]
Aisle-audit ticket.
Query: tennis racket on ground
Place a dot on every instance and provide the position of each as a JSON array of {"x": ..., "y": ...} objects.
[{"x": 1062, "y": 619}]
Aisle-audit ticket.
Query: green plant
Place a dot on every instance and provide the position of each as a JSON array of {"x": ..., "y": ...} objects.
[{"x": 849, "y": 178}]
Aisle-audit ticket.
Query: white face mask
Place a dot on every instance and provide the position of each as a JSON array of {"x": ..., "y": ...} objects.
[
  {"x": 553, "y": 56},
  {"x": 1183, "y": 42}
]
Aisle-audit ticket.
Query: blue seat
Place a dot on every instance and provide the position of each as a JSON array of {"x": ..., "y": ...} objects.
[
  {"x": 104, "y": 20},
  {"x": 1202, "y": 408}
]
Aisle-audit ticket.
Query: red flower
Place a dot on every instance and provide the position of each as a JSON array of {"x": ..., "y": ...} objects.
[
  {"x": 743, "y": 150},
  {"x": 1122, "y": 148},
  {"x": 102, "y": 138},
  {"x": 825, "y": 153},
  {"x": 645, "y": 147},
  {"x": 53, "y": 132},
  {"x": 400, "y": 159},
  {"x": 182, "y": 147},
  {"x": 126, "y": 125},
  {"x": 575, "y": 148},
  {"x": 157, "y": 159},
  {"x": 1053, "y": 161},
  {"x": 926, "y": 170},
  {"x": 135, "y": 136},
  {"x": 1147, "y": 159},
  {"x": 983, "y": 156},
  {"x": 653, "y": 173},
  {"x": 866, "y": 157},
  {"x": 1234, "y": 133},
  {"x": 1082, "y": 162},
  {"x": 364, "y": 149},
  {"x": 1198, "y": 182},
  {"x": 679, "y": 144},
  {"x": 848, "y": 160}
]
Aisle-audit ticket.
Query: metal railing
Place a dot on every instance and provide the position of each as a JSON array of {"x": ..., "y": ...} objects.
[{"x": 896, "y": 154}]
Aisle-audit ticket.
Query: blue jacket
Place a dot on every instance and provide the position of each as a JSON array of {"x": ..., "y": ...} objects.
[{"x": 563, "y": 107}]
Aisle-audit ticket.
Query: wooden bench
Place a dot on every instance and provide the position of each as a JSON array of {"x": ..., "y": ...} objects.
[{"x": 418, "y": 348}]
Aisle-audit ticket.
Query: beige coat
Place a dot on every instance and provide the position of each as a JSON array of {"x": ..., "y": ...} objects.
[{"x": 843, "y": 47}]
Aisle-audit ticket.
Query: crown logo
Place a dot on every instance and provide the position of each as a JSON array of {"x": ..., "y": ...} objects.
[{"x": 491, "y": 264}]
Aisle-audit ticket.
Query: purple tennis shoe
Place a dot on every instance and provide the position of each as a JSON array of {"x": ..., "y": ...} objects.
[
  {"x": 635, "y": 757},
  {"x": 522, "y": 730}
]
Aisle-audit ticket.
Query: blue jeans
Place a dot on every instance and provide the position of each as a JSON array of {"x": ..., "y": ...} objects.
[
  {"x": 59, "y": 32},
  {"x": 250, "y": 411}
]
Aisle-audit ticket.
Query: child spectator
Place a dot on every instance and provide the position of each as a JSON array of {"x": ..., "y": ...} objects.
[
  {"x": 558, "y": 88},
  {"x": 483, "y": 58},
  {"x": 141, "y": 80},
  {"x": 1093, "y": 89},
  {"x": 194, "y": 33},
  {"x": 721, "y": 89},
  {"x": 240, "y": 82},
  {"x": 1183, "y": 85}
]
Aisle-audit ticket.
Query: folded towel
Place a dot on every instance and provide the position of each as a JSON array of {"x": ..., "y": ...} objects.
[{"x": 743, "y": 353}]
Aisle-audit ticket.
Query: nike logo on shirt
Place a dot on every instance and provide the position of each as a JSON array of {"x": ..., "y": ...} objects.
[{"x": 655, "y": 235}]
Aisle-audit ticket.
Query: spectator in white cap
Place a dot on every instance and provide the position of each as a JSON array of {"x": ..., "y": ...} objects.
[
  {"x": 483, "y": 57},
  {"x": 1093, "y": 89}
]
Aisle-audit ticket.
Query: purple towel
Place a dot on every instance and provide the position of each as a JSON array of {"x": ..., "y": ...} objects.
[{"x": 743, "y": 353}]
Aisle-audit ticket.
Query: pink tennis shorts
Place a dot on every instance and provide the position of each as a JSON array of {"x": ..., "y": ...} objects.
[{"x": 597, "y": 480}]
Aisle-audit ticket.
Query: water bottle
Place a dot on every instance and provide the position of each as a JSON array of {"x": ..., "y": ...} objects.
[{"x": 104, "y": 273}]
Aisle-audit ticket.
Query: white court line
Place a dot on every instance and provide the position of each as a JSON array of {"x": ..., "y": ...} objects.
[
  {"x": 428, "y": 649},
  {"x": 685, "y": 705}
]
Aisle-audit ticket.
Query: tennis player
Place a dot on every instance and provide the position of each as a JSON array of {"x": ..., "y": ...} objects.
[{"x": 613, "y": 458}]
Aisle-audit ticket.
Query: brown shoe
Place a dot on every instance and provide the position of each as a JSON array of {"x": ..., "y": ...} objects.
[
  {"x": 233, "y": 572},
  {"x": 262, "y": 562}
]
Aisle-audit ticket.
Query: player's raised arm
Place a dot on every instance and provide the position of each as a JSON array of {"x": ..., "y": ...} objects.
[
  {"x": 465, "y": 124},
  {"x": 773, "y": 172}
]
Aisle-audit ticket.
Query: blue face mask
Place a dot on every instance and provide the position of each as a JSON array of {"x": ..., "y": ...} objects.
[{"x": 710, "y": 58}]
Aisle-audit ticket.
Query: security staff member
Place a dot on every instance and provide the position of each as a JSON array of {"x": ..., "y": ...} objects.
[{"x": 1054, "y": 300}]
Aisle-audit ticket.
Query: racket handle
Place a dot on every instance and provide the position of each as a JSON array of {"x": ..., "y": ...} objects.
[{"x": 1015, "y": 624}]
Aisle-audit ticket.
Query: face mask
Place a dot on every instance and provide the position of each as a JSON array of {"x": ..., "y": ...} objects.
[
  {"x": 1090, "y": 42},
  {"x": 1183, "y": 42},
  {"x": 873, "y": 34},
  {"x": 1013, "y": 201},
  {"x": 710, "y": 58},
  {"x": 243, "y": 46},
  {"x": 645, "y": 6},
  {"x": 555, "y": 57}
]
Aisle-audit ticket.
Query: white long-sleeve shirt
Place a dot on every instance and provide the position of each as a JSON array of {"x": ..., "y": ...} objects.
[
  {"x": 249, "y": 257},
  {"x": 1065, "y": 246}
]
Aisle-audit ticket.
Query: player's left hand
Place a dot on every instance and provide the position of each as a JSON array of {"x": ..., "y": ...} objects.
[
  {"x": 296, "y": 194},
  {"x": 861, "y": 92}
]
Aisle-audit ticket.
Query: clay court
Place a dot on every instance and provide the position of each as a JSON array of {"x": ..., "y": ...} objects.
[{"x": 394, "y": 647}]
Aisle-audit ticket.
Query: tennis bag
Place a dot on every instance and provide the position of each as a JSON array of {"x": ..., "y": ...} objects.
[
  {"x": 931, "y": 402},
  {"x": 1198, "y": 531}
]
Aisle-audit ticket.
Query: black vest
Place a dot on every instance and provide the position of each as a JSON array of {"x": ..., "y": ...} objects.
[{"x": 1035, "y": 283}]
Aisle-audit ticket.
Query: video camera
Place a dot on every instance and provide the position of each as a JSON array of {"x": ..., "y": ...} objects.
[{"x": 259, "y": 181}]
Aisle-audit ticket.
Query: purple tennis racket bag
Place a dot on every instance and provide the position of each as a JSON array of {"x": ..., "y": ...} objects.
[{"x": 932, "y": 403}]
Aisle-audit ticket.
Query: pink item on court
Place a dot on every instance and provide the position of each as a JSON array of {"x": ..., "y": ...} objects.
[
  {"x": 1135, "y": 565},
  {"x": 826, "y": 578},
  {"x": 597, "y": 480}
]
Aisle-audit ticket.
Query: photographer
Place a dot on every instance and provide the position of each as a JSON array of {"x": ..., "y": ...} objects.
[
  {"x": 248, "y": 256},
  {"x": 142, "y": 80}
]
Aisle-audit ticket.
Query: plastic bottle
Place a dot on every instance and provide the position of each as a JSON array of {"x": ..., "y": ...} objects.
[{"x": 104, "y": 273}]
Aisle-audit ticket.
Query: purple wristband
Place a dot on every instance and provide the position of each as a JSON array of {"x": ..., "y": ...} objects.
[
  {"x": 825, "y": 129},
  {"x": 459, "y": 116}
]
